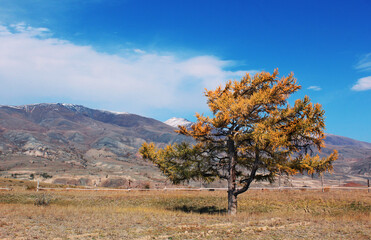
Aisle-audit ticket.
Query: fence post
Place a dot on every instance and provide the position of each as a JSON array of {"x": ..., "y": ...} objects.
[
  {"x": 368, "y": 185},
  {"x": 322, "y": 182},
  {"x": 38, "y": 185}
]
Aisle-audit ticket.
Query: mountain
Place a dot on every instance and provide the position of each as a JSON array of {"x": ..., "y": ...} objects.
[
  {"x": 175, "y": 122},
  {"x": 65, "y": 139},
  {"x": 354, "y": 156},
  {"x": 344, "y": 141},
  {"x": 74, "y": 125}
]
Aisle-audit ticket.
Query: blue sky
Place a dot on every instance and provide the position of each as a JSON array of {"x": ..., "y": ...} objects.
[{"x": 154, "y": 58}]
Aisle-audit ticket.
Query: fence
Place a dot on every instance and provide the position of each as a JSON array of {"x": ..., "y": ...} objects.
[
  {"x": 193, "y": 189},
  {"x": 38, "y": 188},
  {"x": 323, "y": 188},
  {"x": 201, "y": 189}
]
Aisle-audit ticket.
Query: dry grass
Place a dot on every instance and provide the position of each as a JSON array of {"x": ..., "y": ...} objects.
[{"x": 185, "y": 215}]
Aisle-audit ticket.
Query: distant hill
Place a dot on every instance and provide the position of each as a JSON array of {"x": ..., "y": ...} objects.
[
  {"x": 30, "y": 126},
  {"x": 73, "y": 144},
  {"x": 76, "y": 139},
  {"x": 344, "y": 141},
  {"x": 354, "y": 156}
]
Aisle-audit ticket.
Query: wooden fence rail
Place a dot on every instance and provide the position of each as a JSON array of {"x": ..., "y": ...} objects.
[{"x": 200, "y": 189}]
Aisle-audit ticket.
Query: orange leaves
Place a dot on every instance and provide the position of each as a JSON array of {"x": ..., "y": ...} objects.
[
  {"x": 286, "y": 169},
  {"x": 200, "y": 129},
  {"x": 259, "y": 106},
  {"x": 250, "y": 96},
  {"x": 315, "y": 164}
]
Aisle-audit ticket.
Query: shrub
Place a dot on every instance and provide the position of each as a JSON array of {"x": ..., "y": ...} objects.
[
  {"x": 147, "y": 186},
  {"x": 42, "y": 200},
  {"x": 45, "y": 175},
  {"x": 30, "y": 186}
]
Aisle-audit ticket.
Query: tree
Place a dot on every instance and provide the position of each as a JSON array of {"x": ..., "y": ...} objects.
[{"x": 254, "y": 134}]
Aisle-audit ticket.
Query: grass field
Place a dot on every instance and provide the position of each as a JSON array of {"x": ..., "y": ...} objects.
[{"x": 184, "y": 215}]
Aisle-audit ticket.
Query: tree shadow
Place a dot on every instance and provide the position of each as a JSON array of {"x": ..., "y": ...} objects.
[{"x": 201, "y": 210}]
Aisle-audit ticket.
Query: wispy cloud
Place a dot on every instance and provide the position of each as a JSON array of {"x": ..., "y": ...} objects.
[
  {"x": 315, "y": 88},
  {"x": 362, "y": 84},
  {"x": 33, "y": 66},
  {"x": 26, "y": 30},
  {"x": 364, "y": 65}
]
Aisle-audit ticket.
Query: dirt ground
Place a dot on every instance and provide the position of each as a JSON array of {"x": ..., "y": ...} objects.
[{"x": 27, "y": 214}]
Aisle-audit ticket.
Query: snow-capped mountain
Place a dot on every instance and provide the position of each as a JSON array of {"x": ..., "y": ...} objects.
[
  {"x": 175, "y": 122},
  {"x": 73, "y": 107}
]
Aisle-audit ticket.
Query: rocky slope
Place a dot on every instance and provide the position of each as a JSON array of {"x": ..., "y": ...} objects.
[
  {"x": 354, "y": 156},
  {"x": 73, "y": 139}
]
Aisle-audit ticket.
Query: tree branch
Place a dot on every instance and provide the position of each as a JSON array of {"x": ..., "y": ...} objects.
[{"x": 249, "y": 180}]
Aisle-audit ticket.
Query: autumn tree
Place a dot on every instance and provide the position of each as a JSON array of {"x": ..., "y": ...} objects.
[{"x": 253, "y": 135}]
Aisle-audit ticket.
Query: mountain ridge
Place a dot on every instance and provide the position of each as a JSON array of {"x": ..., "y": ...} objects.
[{"x": 341, "y": 140}]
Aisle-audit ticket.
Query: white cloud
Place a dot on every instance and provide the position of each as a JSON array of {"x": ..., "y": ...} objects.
[
  {"x": 315, "y": 88},
  {"x": 363, "y": 84},
  {"x": 139, "y": 51},
  {"x": 35, "y": 66},
  {"x": 4, "y": 31}
]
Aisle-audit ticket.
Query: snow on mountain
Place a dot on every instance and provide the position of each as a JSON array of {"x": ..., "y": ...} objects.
[
  {"x": 113, "y": 112},
  {"x": 79, "y": 108},
  {"x": 73, "y": 107},
  {"x": 175, "y": 122}
]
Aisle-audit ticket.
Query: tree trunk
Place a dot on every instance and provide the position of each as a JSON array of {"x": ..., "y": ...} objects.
[
  {"x": 232, "y": 198},
  {"x": 232, "y": 203}
]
